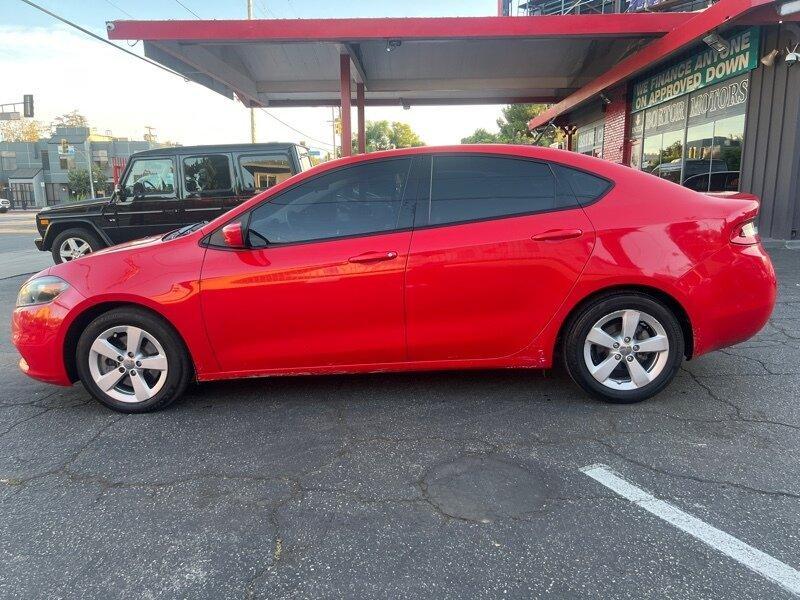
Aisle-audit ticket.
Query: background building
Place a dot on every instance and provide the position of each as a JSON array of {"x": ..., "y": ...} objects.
[{"x": 37, "y": 173}]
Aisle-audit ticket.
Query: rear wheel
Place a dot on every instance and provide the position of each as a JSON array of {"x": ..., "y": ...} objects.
[
  {"x": 74, "y": 243},
  {"x": 624, "y": 348},
  {"x": 132, "y": 361}
]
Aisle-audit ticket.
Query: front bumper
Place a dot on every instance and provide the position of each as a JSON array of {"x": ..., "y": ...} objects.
[
  {"x": 39, "y": 243},
  {"x": 39, "y": 333}
]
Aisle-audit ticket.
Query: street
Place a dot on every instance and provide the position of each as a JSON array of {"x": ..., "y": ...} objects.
[
  {"x": 435, "y": 485},
  {"x": 19, "y": 255}
]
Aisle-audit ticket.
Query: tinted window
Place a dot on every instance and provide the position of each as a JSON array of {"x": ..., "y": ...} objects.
[
  {"x": 467, "y": 188},
  {"x": 150, "y": 177},
  {"x": 210, "y": 173},
  {"x": 260, "y": 172},
  {"x": 352, "y": 201},
  {"x": 587, "y": 188}
]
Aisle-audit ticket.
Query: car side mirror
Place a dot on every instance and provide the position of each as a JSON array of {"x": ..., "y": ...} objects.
[
  {"x": 119, "y": 193},
  {"x": 233, "y": 235}
]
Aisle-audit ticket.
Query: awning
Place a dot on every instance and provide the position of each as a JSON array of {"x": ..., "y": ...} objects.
[{"x": 409, "y": 61}]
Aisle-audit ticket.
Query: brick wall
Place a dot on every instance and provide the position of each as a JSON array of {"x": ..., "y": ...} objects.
[{"x": 615, "y": 147}]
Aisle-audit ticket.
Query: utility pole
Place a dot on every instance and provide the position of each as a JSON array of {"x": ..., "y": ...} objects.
[
  {"x": 252, "y": 110},
  {"x": 88, "y": 147}
]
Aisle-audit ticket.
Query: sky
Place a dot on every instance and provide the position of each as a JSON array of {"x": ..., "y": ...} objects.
[{"x": 67, "y": 70}]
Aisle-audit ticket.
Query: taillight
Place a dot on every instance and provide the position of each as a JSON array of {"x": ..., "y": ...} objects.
[{"x": 745, "y": 233}]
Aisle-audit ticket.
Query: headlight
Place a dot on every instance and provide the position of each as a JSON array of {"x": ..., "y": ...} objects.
[{"x": 41, "y": 290}]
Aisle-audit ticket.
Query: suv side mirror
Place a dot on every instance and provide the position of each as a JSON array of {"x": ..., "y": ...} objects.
[
  {"x": 119, "y": 193},
  {"x": 233, "y": 235}
]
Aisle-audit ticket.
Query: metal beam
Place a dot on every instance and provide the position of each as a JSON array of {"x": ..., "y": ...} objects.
[
  {"x": 344, "y": 82},
  {"x": 445, "y": 28},
  {"x": 362, "y": 136}
]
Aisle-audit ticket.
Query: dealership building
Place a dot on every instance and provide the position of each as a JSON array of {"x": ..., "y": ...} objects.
[{"x": 705, "y": 94}]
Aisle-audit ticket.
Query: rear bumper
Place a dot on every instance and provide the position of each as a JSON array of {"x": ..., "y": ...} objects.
[{"x": 729, "y": 296}]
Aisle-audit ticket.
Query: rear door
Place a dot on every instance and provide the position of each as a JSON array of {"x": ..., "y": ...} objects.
[
  {"x": 259, "y": 171},
  {"x": 494, "y": 254}
]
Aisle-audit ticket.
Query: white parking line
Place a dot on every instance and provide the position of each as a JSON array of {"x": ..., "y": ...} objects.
[{"x": 760, "y": 562}]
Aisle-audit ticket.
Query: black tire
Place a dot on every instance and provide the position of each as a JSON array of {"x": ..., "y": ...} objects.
[
  {"x": 179, "y": 370},
  {"x": 77, "y": 233},
  {"x": 579, "y": 326}
]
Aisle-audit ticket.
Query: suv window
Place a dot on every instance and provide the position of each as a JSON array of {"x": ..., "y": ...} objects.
[
  {"x": 469, "y": 188},
  {"x": 205, "y": 174},
  {"x": 356, "y": 200},
  {"x": 151, "y": 177},
  {"x": 587, "y": 188},
  {"x": 262, "y": 171}
]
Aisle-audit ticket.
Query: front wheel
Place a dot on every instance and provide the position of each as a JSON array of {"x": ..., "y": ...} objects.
[
  {"x": 623, "y": 348},
  {"x": 74, "y": 243},
  {"x": 132, "y": 361}
]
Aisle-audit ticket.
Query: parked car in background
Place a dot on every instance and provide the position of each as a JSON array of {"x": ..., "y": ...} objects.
[
  {"x": 165, "y": 188},
  {"x": 461, "y": 257},
  {"x": 5, "y": 205}
]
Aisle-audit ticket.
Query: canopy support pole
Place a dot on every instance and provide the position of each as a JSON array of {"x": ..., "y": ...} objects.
[
  {"x": 362, "y": 137},
  {"x": 344, "y": 83}
]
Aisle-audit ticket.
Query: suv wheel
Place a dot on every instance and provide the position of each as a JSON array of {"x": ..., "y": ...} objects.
[
  {"x": 74, "y": 243},
  {"x": 132, "y": 361},
  {"x": 624, "y": 348}
]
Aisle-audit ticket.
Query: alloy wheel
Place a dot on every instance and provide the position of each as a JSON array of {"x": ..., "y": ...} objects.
[
  {"x": 128, "y": 364},
  {"x": 72, "y": 248},
  {"x": 626, "y": 349}
]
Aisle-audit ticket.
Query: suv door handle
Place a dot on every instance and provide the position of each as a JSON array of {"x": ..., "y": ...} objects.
[
  {"x": 369, "y": 257},
  {"x": 556, "y": 235}
]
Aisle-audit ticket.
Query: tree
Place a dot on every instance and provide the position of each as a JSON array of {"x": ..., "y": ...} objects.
[
  {"x": 78, "y": 180},
  {"x": 513, "y": 126},
  {"x": 382, "y": 135},
  {"x": 481, "y": 136},
  {"x": 403, "y": 136},
  {"x": 70, "y": 119},
  {"x": 23, "y": 130}
]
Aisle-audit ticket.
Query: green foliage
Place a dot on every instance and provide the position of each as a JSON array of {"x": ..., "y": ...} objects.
[
  {"x": 481, "y": 136},
  {"x": 513, "y": 126},
  {"x": 383, "y": 135},
  {"x": 78, "y": 181}
]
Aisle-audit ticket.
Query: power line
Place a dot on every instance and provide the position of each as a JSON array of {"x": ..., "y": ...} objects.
[
  {"x": 155, "y": 64},
  {"x": 285, "y": 124},
  {"x": 120, "y": 9},
  {"x": 98, "y": 38},
  {"x": 188, "y": 9}
]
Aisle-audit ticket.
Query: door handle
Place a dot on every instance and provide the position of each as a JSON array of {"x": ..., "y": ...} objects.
[
  {"x": 369, "y": 257},
  {"x": 556, "y": 235}
]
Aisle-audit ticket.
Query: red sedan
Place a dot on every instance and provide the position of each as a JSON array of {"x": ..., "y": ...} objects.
[{"x": 460, "y": 257}]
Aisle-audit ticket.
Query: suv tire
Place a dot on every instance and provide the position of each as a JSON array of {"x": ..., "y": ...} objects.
[{"x": 74, "y": 243}]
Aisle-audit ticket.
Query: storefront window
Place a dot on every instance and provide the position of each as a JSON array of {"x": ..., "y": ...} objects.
[
  {"x": 712, "y": 121},
  {"x": 590, "y": 140}
]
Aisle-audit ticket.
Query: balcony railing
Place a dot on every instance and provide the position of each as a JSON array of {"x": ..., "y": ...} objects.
[{"x": 598, "y": 7}]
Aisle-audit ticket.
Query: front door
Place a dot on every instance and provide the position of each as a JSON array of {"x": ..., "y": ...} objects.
[
  {"x": 499, "y": 247},
  {"x": 322, "y": 282},
  {"x": 151, "y": 205},
  {"x": 207, "y": 186}
]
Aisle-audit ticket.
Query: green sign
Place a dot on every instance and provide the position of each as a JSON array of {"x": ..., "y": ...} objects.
[{"x": 700, "y": 70}]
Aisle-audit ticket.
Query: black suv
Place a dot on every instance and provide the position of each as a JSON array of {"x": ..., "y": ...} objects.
[{"x": 163, "y": 189}]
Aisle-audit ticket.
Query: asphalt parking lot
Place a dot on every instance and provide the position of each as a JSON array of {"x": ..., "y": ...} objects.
[{"x": 443, "y": 485}]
